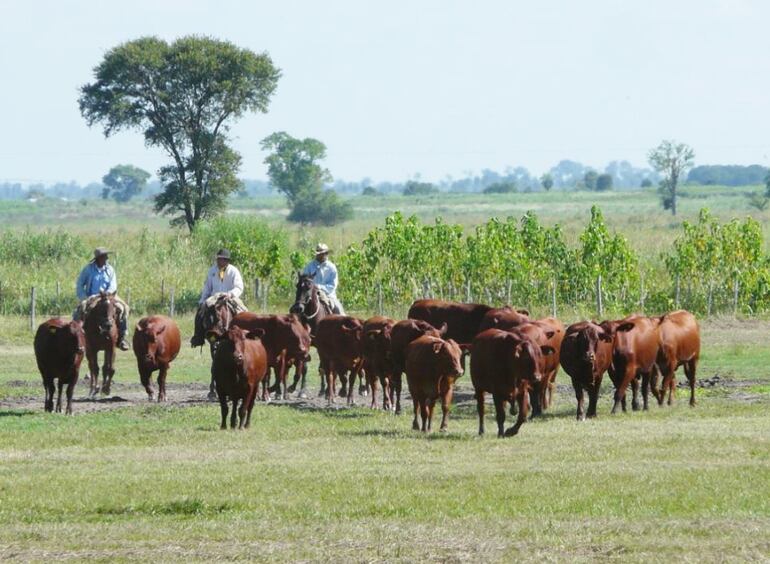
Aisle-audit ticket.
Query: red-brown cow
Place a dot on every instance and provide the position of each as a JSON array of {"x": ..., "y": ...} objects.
[
  {"x": 59, "y": 349},
  {"x": 634, "y": 354},
  {"x": 462, "y": 320},
  {"x": 506, "y": 364},
  {"x": 586, "y": 354},
  {"x": 340, "y": 353},
  {"x": 432, "y": 366},
  {"x": 403, "y": 333},
  {"x": 287, "y": 343},
  {"x": 503, "y": 318},
  {"x": 239, "y": 364},
  {"x": 544, "y": 332},
  {"x": 156, "y": 343},
  {"x": 679, "y": 338},
  {"x": 377, "y": 362}
]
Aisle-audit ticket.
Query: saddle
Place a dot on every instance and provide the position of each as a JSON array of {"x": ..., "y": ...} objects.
[{"x": 233, "y": 304}]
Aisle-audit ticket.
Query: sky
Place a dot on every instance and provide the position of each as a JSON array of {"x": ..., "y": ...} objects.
[{"x": 422, "y": 88}]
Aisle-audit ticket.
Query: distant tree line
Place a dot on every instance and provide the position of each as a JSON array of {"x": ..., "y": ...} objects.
[{"x": 728, "y": 175}]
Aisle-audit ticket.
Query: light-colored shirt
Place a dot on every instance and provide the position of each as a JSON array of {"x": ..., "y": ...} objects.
[
  {"x": 230, "y": 282},
  {"x": 324, "y": 275},
  {"x": 93, "y": 280}
]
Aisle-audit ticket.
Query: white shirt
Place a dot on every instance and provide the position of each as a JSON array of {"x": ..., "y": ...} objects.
[
  {"x": 231, "y": 283},
  {"x": 324, "y": 275}
]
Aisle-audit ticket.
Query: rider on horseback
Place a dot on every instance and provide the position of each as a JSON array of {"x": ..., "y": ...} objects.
[
  {"x": 99, "y": 276},
  {"x": 222, "y": 278},
  {"x": 324, "y": 275}
]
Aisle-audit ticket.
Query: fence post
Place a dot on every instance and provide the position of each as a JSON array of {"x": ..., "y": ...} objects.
[
  {"x": 508, "y": 292},
  {"x": 599, "y": 303},
  {"x": 256, "y": 289},
  {"x": 162, "y": 289},
  {"x": 468, "y": 289},
  {"x": 553, "y": 297},
  {"x": 171, "y": 303},
  {"x": 676, "y": 297},
  {"x": 265, "y": 291},
  {"x": 32, "y": 305},
  {"x": 379, "y": 298},
  {"x": 58, "y": 290},
  {"x": 736, "y": 290}
]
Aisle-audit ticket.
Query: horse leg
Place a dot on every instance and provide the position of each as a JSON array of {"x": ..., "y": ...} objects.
[
  {"x": 93, "y": 369},
  {"x": 107, "y": 370},
  {"x": 212, "y": 396}
]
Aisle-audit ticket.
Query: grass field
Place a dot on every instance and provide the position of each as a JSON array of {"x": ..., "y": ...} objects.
[{"x": 148, "y": 482}]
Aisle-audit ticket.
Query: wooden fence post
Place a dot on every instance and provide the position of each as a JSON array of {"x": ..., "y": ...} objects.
[
  {"x": 468, "y": 289},
  {"x": 256, "y": 289},
  {"x": 553, "y": 297},
  {"x": 599, "y": 302},
  {"x": 32, "y": 306},
  {"x": 265, "y": 291},
  {"x": 171, "y": 303}
]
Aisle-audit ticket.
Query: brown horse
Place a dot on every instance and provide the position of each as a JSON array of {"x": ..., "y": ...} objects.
[
  {"x": 310, "y": 310},
  {"x": 100, "y": 325},
  {"x": 217, "y": 318}
]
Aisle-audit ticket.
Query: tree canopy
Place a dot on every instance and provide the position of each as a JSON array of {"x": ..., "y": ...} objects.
[
  {"x": 183, "y": 96},
  {"x": 123, "y": 182},
  {"x": 672, "y": 160}
]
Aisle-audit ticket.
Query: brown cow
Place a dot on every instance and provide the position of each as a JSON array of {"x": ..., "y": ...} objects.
[
  {"x": 403, "y": 333},
  {"x": 432, "y": 366},
  {"x": 586, "y": 354},
  {"x": 340, "y": 353},
  {"x": 462, "y": 320},
  {"x": 239, "y": 364},
  {"x": 679, "y": 338},
  {"x": 287, "y": 343},
  {"x": 156, "y": 343},
  {"x": 377, "y": 362},
  {"x": 506, "y": 364},
  {"x": 634, "y": 354},
  {"x": 503, "y": 318},
  {"x": 548, "y": 331},
  {"x": 59, "y": 348}
]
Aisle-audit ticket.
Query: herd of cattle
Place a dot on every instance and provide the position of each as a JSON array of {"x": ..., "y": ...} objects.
[{"x": 512, "y": 357}]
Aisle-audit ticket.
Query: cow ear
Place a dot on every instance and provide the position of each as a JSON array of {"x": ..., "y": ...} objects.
[
  {"x": 443, "y": 329},
  {"x": 625, "y": 327},
  {"x": 546, "y": 350},
  {"x": 257, "y": 333},
  {"x": 437, "y": 347},
  {"x": 523, "y": 312},
  {"x": 138, "y": 327},
  {"x": 606, "y": 337}
]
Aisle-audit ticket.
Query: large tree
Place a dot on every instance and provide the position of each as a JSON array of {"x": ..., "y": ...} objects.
[
  {"x": 123, "y": 182},
  {"x": 672, "y": 160},
  {"x": 294, "y": 170},
  {"x": 183, "y": 96}
]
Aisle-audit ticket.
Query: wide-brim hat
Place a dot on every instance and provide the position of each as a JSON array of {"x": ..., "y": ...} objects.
[
  {"x": 100, "y": 252},
  {"x": 223, "y": 254},
  {"x": 321, "y": 249}
]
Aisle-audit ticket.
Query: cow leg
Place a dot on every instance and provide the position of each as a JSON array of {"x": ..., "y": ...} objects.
[
  {"x": 535, "y": 395},
  {"x": 426, "y": 409},
  {"x": 223, "y": 410},
  {"x": 363, "y": 385},
  {"x": 385, "y": 383},
  {"x": 417, "y": 407},
  {"x": 579, "y": 397},
  {"x": 351, "y": 381},
  {"x": 500, "y": 414},
  {"x": 145, "y": 377},
  {"x": 551, "y": 388},
  {"x": 70, "y": 390},
  {"x": 480, "y": 409},
  {"x": 523, "y": 398},
  {"x": 671, "y": 389},
  {"x": 593, "y": 396},
  {"x": 50, "y": 388},
  {"x": 629, "y": 374},
  {"x": 398, "y": 380},
  {"x": 234, "y": 414},
  {"x": 303, "y": 389},
  {"x": 60, "y": 386},
  {"x": 373, "y": 385},
  {"x": 645, "y": 389},
  {"x": 323, "y": 374},
  {"x": 162, "y": 373},
  {"x": 635, "y": 394},
  {"x": 446, "y": 402},
  {"x": 689, "y": 369}
]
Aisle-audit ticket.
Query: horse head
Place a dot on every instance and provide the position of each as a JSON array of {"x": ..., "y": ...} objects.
[
  {"x": 307, "y": 293},
  {"x": 218, "y": 316},
  {"x": 102, "y": 314}
]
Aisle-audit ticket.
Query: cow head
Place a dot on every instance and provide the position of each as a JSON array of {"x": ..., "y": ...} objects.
[
  {"x": 588, "y": 339},
  {"x": 146, "y": 335},
  {"x": 232, "y": 345},
  {"x": 528, "y": 356},
  {"x": 448, "y": 358},
  {"x": 353, "y": 327},
  {"x": 70, "y": 339}
]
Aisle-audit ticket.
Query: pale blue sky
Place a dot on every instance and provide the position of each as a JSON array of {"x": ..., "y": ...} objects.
[{"x": 403, "y": 87}]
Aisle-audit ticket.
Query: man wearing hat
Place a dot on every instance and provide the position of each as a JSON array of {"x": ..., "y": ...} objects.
[
  {"x": 222, "y": 278},
  {"x": 99, "y": 276},
  {"x": 324, "y": 275}
]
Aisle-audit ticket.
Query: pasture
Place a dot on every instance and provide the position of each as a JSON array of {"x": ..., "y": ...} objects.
[
  {"x": 139, "y": 481},
  {"x": 128, "y": 480}
]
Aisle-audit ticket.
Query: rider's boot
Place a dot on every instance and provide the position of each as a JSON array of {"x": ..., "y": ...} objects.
[{"x": 122, "y": 330}]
